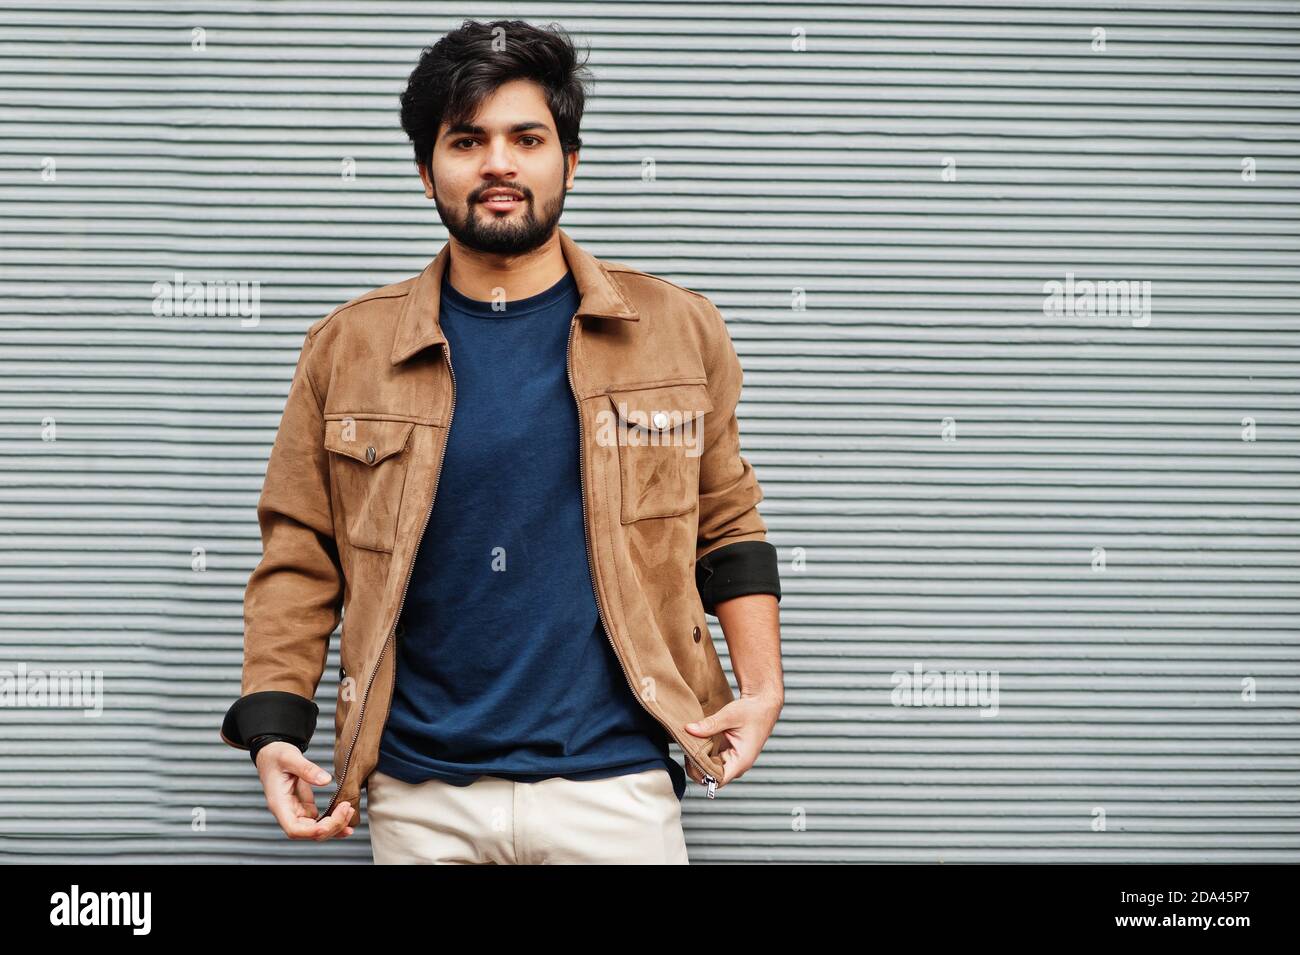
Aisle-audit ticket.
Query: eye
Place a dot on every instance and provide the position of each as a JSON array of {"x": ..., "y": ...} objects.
[
  {"x": 534, "y": 138},
  {"x": 459, "y": 141}
]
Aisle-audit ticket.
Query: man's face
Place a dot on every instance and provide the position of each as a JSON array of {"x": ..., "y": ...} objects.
[{"x": 510, "y": 144}]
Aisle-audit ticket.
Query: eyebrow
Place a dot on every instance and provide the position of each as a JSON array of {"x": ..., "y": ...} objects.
[{"x": 463, "y": 128}]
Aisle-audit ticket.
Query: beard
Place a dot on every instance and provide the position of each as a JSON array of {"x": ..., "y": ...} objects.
[{"x": 517, "y": 233}]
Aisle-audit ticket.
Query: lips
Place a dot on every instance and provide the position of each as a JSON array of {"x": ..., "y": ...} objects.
[
  {"x": 504, "y": 198},
  {"x": 502, "y": 204}
]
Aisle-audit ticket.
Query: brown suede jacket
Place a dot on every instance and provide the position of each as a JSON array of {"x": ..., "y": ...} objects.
[{"x": 670, "y": 504}]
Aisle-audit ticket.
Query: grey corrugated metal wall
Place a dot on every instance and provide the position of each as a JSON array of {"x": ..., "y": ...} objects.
[{"x": 944, "y": 461}]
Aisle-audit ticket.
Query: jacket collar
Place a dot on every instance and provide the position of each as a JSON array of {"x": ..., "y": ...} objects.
[{"x": 417, "y": 324}]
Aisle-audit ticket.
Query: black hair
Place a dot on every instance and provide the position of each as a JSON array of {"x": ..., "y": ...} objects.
[{"x": 467, "y": 65}]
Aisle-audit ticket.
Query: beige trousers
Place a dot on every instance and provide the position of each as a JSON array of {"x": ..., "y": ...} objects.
[{"x": 630, "y": 819}]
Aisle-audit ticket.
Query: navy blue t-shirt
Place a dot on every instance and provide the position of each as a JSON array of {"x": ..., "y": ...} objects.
[{"x": 503, "y": 666}]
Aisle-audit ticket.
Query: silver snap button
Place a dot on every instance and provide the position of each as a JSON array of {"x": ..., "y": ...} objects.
[
  {"x": 370, "y": 455},
  {"x": 660, "y": 419}
]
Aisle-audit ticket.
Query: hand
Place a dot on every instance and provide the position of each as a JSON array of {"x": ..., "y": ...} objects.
[
  {"x": 747, "y": 723},
  {"x": 287, "y": 777}
]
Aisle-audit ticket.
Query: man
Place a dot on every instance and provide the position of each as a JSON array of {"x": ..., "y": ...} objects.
[{"x": 524, "y": 589}]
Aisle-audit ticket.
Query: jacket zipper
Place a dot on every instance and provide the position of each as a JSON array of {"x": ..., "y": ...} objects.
[
  {"x": 710, "y": 782},
  {"x": 410, "y": 569}
]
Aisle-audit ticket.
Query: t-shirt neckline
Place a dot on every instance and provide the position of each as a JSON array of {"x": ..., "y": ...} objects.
[{"x": 515, "y": 309}]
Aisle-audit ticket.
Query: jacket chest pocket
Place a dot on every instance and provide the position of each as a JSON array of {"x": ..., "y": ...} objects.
[
  {"x": 660, "y": 435},
  {"x": 368, "y": 465}
]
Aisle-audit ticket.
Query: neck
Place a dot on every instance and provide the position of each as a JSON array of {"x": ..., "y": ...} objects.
[{"x": 477, "y": 275}]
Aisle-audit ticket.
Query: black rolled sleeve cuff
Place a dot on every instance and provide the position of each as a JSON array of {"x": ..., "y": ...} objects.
[
  {"x": 734, "y": 570},
  {"x": 270, "y": 713},
  {"x": 255, "y": 746}
]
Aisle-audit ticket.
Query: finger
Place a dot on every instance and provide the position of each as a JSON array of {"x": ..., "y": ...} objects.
[
  {"x": 295, "y": 823},
  {"x": 304, "y": 768},
  {"x": 334, "y": 822},
  {"x": 349, "y": 828},
  {"x": 302, "y": 790},
  {"x": 730, "y": 716},
  {"x": 731, "y": 764},
  {"x": 701, "y": 727}
]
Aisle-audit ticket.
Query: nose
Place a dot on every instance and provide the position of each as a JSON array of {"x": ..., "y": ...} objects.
[{"x": 498, "y": 161}]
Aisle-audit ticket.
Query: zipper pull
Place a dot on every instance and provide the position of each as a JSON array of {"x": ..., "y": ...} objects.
[{"x": 712, "y": 784}]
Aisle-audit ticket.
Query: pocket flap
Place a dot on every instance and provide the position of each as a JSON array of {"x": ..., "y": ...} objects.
[
  {"x": 661, "y": 409},
  {"x": 368, "y": 440}
]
